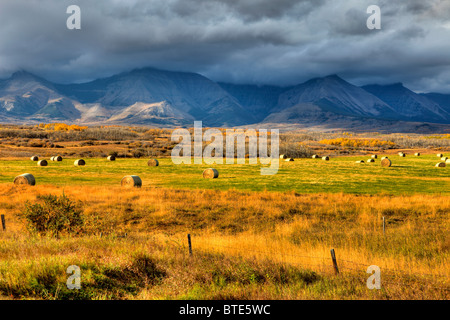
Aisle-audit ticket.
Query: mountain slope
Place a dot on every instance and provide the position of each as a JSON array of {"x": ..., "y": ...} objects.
[
  {"x": 25, "y": 94},
  {"x": 334, "y": 94},
  {"x": 188, "y": 93},
  {"x": 159, "y": 112},
  {"x": 408, "y": 104},
  {"x": 442, "y": 99},
  {"x": 329, "y": 98},
  {"x": 259, "y": 100},
  {"x": 164, "y": 98}
]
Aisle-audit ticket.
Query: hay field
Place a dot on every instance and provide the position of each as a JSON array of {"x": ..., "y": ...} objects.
[
  {"x": 409, "y": 175},
  {"x": 254, "y": 237}
]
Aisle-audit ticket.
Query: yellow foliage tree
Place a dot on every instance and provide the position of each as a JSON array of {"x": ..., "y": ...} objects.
[{"x": 354, "y": 142}]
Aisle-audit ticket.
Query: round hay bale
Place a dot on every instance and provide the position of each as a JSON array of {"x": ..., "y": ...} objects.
[
  {"x": 440, "y": 165},
  {"x": 52, "y": 158},
  {"x": 439, "y": 155},
  {"x": 283, "y": 156},
  {"x": 444, "y": 159},
  {"x": 447, "y": 161},
  {"x": 111, "y": 158},
  {"x": 360, "y": 161},
  {"x": 315, "y": 156},
  {"x": 386, "y": 162},
  {"x": 384, "y": 158},
  {"x": 289, "y": 159},
  {"x": 131, "y": 181},
  {"x": 401, "y": 154},
  {"x": 57, "y": 158},
  {"x": 42, "y": 163},
  {"x": 153, "y": 163},
  {"x": 326, "y": 158},
  {"x": 370, "y": 160},
  {"x": 210, "y": 173},
  {"x": 26, "y": 178},
  {"x": 417, "y": 154},
  {"x": 79, "y": 162},
  {"x": 34, "y": 158},
  {"x": 374, "y": 156}
]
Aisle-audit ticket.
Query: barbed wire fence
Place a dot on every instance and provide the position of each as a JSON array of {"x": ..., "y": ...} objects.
[
  {"x": 331, "y": 263},
  {"x": 335, "y": 264}
]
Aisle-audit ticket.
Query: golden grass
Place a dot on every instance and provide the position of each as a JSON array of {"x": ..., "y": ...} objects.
[{"x": 287, "y": 228}]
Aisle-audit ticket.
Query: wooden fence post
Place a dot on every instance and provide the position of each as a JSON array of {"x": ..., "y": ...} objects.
[
  {"x": 190, "y": 244},
  {"x": 333, "y": 257},
  {"x": 3, "y": 222},
  {"x": 384, "y": 226}
]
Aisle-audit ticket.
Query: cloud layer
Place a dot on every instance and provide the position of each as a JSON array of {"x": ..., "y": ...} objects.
[{"x": 242, "y": 41}]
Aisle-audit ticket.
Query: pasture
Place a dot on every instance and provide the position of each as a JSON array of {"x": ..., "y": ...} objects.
[
  {"x": 253, "y": 236},
  {"x": 407, "y": 175}
]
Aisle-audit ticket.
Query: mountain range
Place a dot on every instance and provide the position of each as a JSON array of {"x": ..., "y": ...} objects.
[{"x": 156, "y": 97}]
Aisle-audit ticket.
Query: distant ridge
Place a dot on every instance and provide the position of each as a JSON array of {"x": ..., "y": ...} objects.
[
  {"x": 408, "y": 104},
  {"x": 155, "y": 97}
]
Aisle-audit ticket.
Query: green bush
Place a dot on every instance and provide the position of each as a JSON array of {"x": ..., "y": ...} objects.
[{"x": 53, "y": 215}]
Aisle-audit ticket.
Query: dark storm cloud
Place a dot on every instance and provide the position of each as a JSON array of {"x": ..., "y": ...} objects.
[{"x": 258, "y": 41}]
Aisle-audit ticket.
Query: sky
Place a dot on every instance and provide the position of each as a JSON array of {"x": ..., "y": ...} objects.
[{"x": 276, "y": 42}]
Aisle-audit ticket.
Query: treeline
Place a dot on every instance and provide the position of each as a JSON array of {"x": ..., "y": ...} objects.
[
  {"x": 293, "y": 143},
  {"x": 96, "y": 133}
]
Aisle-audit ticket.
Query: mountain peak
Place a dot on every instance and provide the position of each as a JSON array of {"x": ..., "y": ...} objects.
[
  {"x": 23, "y": 75},
  {"x": 397, "y": 85},
  {"x": 333, "y": 77},
  {"x": 329, "y": 79},
  {"x": 144, "y": 70},
  {"x": 333, "y": 94}
]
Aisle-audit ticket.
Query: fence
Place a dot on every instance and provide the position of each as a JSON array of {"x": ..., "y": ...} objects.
[{"x": 338, "y": 265}]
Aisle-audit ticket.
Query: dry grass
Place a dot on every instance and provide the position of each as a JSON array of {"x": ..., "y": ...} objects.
[
  {"x": 246, "y": 244},
  {"x": 243, "y": 236},
  {"x": 25, "y": 141}
]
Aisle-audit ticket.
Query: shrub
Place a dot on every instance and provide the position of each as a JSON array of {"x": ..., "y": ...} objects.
[
  {"x": 36, "y": 144},
  {"x": 296, "y": 150},
  {"x": 139, "y": 153},
  {"x": 53, "y": 215},
  {"x": 87, "y": 143}
]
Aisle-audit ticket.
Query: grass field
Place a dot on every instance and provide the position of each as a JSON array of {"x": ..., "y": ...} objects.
[
  {"x": 254, "y": 237},
  {"x": 407, "y": 175}
]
